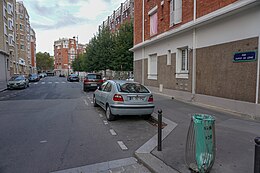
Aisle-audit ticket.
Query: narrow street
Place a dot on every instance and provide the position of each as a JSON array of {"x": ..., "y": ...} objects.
[{"x": 52, "y": 126}]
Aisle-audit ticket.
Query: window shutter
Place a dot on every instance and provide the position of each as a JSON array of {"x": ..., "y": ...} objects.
[
  {"x": 178, "y": 11},
  {"x": 172, "y": 12}
]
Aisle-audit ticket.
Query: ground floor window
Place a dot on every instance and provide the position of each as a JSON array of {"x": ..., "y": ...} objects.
[
  {"x": 182, "y": 63},
  {"x": 152, "y": 67}
]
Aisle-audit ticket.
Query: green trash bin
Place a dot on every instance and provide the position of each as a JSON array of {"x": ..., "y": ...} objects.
[{"x": 200, "y": 144}]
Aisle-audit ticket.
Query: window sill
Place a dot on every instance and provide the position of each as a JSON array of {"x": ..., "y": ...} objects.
[
  {"x": 182, "y": 75},
  {"x": 152, "y": 77}
]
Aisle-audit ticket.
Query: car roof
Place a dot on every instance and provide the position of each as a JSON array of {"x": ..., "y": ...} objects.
[{"x": 123, "y": 81}]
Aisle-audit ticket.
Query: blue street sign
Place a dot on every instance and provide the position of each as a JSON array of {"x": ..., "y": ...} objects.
[{"x": 244, "y": 56}]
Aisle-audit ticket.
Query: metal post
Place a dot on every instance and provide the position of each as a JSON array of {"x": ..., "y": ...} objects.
[
  {"x": 257, "y": 155},
  {"x": 159, "y": 147}
]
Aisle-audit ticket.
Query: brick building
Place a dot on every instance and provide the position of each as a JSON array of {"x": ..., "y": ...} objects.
[
  {"x": 204, "y": 51},
  {"x": 33, "y": 50},
  {"x": 65, "y": 51},
  {"x": 121, "y": 15}
]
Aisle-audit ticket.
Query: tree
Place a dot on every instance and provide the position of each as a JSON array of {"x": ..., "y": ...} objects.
[
  {"x": 44, "y": 62},
  {"x": 78, "y": 63},
  {"x": 123, "y": 42}
]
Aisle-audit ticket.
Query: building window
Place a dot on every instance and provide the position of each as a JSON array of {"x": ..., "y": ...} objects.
[
  {"x": 21, "y": 27},
  {"x": 175, "y": 12},
  {"x": 182, "y": 63},
  {"x": 4, "y": 10},
  {"x": 152, "y": 67},
  {"x": 11, "y": 39},
  {"x": 10, "y": 23},
  {"x": 10, "y": 8},
  {"x": 22, "y": 47},
  {"x": 169, "y": 58},
  {"x": 153, "y": 24},
  {"x": 5, "y": 29}
]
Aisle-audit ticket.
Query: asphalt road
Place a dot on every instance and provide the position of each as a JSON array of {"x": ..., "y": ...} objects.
[{"x": 52, "y": 125}]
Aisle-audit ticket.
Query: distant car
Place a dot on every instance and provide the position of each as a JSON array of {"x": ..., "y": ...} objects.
[
  {"x": 130, "y": 79},
  {"x": 45, "y": 74},
  {"x": 124, "y": 98},
  {"x": 34, "y": 77},
  {"x": 42, "y": 75},
  {"x": 92, "y": 81},
  {"x": 62, "y": 75},
  {"x": 72, "y": 78},
  {"x": 17, "y": 82}
]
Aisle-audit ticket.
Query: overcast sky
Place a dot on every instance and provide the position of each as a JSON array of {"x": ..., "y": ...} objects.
[{"x": 54, "y": 19}]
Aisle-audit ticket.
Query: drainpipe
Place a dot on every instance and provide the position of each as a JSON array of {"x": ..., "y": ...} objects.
[
  {"x": 143, "y": 41},
  {"x": 258, "y": 72},
  {"x": 194, "y": 53}
]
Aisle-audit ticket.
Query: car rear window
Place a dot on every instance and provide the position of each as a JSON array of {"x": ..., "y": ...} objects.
[
  {"x": 94, "y": 76},
  {"x": 132, "y": 88}
]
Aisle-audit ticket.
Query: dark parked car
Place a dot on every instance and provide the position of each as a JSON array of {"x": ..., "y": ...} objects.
[
  {"x": 34, "y": 77},
  {"x": 72, "y": 78},
  {"x": 124, "y": 98},
  {"x": 19, "y": 81},
  {"x": 92, "y": 81}
]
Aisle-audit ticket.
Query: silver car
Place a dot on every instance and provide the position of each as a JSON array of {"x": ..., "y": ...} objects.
[
  {"x": 18, "y": 82},
  {"x": 124, "y": 98}
]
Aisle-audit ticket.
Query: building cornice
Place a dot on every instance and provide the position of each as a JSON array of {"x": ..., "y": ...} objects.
[{"x": 231, "y": 9}]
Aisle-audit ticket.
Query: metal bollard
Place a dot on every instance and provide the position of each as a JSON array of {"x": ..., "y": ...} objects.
[
  {"x": 257, "y": 155},
  {"x": 159, "y": 147}
]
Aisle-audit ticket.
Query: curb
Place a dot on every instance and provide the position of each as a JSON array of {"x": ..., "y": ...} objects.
[
  {"x": 1, "y": 90},
  {"x": 143, "y": 154}
]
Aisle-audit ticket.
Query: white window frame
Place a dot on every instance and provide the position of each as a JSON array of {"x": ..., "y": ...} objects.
[
  {"x": 10, "y": 8},
  {"x": 5, "y": 29},
  {"x": 151, "y": 13},
  {"x": 169, "y": 58},
  {"x": 11, "y": 39},
  {"x": 175, "y": 12},
  {"x": 10, "y": 25},
  {"x": 182, "y": 63},
  {"x": 152, "y": 66}
]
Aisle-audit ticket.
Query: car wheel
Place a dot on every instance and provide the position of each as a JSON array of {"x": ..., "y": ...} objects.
[
  {"x": 146, "y": 117},
  {"x": 109, "y": 115},
  {"x": 94, "y": 102},
  {"x": 25, "y": 86},
  {"x": 28, "y": 85}
]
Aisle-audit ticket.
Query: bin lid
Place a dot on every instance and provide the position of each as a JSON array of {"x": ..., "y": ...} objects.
[{"x": 199, "y": 118}]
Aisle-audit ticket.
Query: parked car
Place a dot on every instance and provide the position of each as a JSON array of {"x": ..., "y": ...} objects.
[
  {"x": 34, "y": 77},
  {"x": 124, "y": 98},
  {"x": 19, "y": 81},
  {"x": 62, "y": 75},
  {"x": 92, "y": 81},
  {"x": 73, "y": 77},
  {"x": 41, "y": 75}
]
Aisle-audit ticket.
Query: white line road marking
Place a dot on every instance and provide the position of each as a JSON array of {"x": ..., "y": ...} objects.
[
  {"x": 105, "y": 122},
  {"x": 43, "y": 82},
  {"x": 85, "y": 101},
  {"x": 101, "y": 116},
  {"x": 122, "y": 145},
  {"x": 63, "y": 82},
  {"x": 92, "y": 102},
  {"x": 49, "y": 82},
  {"x": 2, "y": 97},
  {"x": 112, "y": 131},
  {"x": 36, "y": 83},
  {"x": 44, "y": 141},
  {"x": 57, "y": 82}
]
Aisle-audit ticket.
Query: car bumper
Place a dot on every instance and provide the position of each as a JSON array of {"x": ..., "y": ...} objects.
[
  {"x": 15, "y": 86},
  {"x": 132, "y": 109}
]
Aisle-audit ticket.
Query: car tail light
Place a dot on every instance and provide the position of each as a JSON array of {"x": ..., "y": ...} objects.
[
  {"x": 118, "y": 98},
  {"x": 150, "y": 98},
  {"x": 101, "y": 81}
]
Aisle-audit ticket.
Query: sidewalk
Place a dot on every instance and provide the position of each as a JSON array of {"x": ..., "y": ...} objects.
[
  {"x": 3, "y": 86},
  {"x": 234, "y": 138}
]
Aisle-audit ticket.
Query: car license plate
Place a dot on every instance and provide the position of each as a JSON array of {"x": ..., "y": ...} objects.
[
  {"x": 93, "y": 84},
  {"x": 136, "y": 98}
]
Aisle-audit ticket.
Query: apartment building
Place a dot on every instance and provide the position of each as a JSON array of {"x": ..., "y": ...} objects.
[
  {"x": 4, "y": 47},
  {"x": 65, "y": 51},
  {"x": 203, "y": 51},
  {"x": 121, "y": 15},
  {"x": 23, "y": 39},
  {"x": 11, "y": 13}
]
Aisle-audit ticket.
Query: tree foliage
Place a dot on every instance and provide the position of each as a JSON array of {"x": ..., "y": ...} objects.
[
  {"x": 78, "y": 63},
  {"x": 44, "y": 62},
  {"x": 108, "y": 50}
]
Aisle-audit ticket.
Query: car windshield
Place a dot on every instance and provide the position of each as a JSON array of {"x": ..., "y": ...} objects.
[
  {"x": 17, "y": 78},
  {"x": 33, "y": 75},
  {"x": 93, "y": 76},
  {"x": 132, "y": 88}
]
